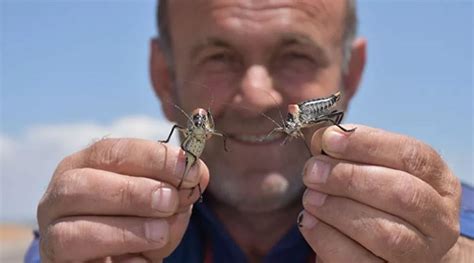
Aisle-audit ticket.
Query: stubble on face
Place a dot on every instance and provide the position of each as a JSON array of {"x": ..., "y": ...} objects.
[{"x": 255, "y": 178}]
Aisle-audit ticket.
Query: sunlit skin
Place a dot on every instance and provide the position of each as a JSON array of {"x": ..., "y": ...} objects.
[{"x": 375, "y": 197}]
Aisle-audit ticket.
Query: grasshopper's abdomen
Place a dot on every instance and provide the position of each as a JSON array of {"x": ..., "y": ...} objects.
[
  {"x": 195, "y": 142},
  {"x": 312, "y": 109}
]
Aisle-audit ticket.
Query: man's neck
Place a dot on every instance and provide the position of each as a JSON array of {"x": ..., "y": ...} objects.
[{"x": 256, "y": 233}]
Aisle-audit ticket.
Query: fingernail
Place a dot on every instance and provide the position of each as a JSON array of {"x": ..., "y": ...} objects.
[
  {"x": 306, "y": 220},
  {"x": 318, "y": 172},
  {"x": 157, "y": 231},
  {"x": 334, "y": 142},
  {"x": 162, "y": 200},
  {"x": 314, "y": 198},
  {"x": 300, "y": 219}
]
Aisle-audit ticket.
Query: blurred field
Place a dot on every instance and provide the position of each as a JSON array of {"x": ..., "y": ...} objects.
[{"x": 14, "y": 240}]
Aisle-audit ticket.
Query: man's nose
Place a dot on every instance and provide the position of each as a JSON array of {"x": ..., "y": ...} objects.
[{"x": 257, "y": 92}]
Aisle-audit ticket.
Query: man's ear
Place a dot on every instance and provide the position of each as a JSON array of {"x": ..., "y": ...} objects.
[
  {"x": 161, "y": 79},
  {"x": 355, "y": 69}
]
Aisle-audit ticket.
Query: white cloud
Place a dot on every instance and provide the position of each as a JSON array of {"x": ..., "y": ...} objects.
[{"x": 28, "y": 160}]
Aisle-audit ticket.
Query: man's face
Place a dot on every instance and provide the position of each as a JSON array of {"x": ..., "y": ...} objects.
[{"x": 254, "y": 57}]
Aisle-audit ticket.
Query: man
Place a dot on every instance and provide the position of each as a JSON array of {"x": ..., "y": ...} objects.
[{"x": 373, "y": 196}]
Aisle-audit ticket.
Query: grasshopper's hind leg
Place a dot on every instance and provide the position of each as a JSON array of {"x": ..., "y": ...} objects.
[
  {"x": 187, "y": 165},
  {"x": 338, "y": 118},
  {"x": 200, "y": 193},
  {"x": 184, "y": 174}
]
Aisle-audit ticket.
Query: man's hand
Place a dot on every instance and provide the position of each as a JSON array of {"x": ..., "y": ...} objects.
[
  {"x": 378, "y": 197},
  {"x": 118, "y": 198}
]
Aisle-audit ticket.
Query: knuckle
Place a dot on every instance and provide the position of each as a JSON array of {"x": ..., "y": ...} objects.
[
  {"x": 108, "y": 152},
  {"x": 373, "y": 149},
  {"x": 126, "y": 193},
  {"x": 55, "y": 240},
  {"x": 405, "y": 245},
  {"x": 453, "y": 189},
  {"x": 68, "y": 185},
  {"x": 455, "y": 230},
  {"x": 42, "y": 214},
  {"x": 124, "y": 237},
  {"x": 153, "y": 156},
  {"x": 452, "y": 229},
  {"x": 411, "y": 158},
  {"x": 64, "y": 164},
  {"x": 407, "y": 197},
  {"x": 346, "y": 173},
  {"x": 457, "y": 189},
  {"x": 394, "y": 237},
  {"x": 72, "y": 161},
  {"x": 60, "y": 190},
  {"x": 46, "y": 249},
  {"x": 420, "y": 159}
]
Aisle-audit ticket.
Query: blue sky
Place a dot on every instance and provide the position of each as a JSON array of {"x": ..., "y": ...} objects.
[{"x": 69, "y": 66}]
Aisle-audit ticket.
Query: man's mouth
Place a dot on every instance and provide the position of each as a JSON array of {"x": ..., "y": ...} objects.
[{"x": 257, "y": 139}]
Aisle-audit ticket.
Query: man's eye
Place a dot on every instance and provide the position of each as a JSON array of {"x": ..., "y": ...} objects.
[
  {"x": 298, "y": 56},
  {"x": 220, "y": 62},
  {"x": 220, "y": 57}
]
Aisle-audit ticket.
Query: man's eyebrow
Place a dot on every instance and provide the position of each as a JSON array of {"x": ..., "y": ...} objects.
[
  {"x": 208, "y": 42},
  {"x": 299, "y": 39}
]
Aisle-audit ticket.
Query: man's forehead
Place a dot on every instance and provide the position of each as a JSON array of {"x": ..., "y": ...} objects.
[
  {"x": 324, "y": 12},
  {"x": 317, "y": 6}
]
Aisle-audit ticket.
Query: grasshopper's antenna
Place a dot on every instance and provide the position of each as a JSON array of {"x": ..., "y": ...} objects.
[
  {"x": 209, "y": 90},
  {"x": 177, "y": 107},
  {"x": 182, "y": 111},
  {"x": 279, "y": 111}
]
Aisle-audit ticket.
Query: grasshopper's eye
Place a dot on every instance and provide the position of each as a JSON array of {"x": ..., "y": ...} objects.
[
  {"x": 197, "y": 119},
  {"x": 290, "y": 117}
]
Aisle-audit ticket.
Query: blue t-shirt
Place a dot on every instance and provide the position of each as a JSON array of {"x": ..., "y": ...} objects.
[{"x": 207, "y": 238}]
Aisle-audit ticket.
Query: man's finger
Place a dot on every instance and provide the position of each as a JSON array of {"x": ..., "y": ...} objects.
[
  {"x": 111, "y": 193},
  {"x": 330, "y": 244},
  {"x": 89, "y": 237},
  {"x": 136, "y": 157},
  {"x": 373, "y": 229},
  {"x": 178, "y": 227},
  {"x": 95, "y": 237},
  {"x": 378, "y": 147},
  {"x": 393, "y": 191}
]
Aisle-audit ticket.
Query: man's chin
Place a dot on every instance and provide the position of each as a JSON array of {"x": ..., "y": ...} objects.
[{"x": 273, "y": 193}]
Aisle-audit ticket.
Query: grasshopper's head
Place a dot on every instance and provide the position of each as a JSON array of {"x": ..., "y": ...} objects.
[
  {"x": 292, "y": 119},
  {"x": 203, "y": 119},
  {"x": 200, "y": 118},
  {"x": 293, "y": 113}
]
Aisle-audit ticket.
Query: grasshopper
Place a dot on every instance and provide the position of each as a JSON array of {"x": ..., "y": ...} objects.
[
  {"x": 309, "y": 113},
  {"x": 199, "y": 129}
]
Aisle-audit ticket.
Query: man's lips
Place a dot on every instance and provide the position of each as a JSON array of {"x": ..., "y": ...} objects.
[{"x": 257, "y": 139}]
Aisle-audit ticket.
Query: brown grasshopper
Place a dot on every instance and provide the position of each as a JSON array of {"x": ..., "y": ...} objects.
[
  {"x": 199, "y": 129},
  {"x": 309, "y": 113}
]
